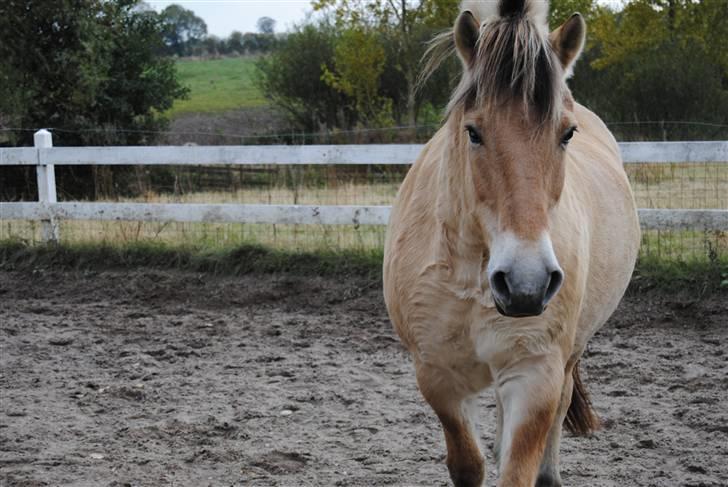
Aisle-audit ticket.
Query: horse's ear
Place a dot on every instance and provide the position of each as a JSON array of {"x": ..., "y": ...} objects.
[
  {"x": 466, "y": 34},
  {"x": 568, "y": 41}
]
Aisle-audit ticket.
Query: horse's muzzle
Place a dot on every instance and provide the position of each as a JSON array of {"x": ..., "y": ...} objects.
[{"x": 518, "y": 300}]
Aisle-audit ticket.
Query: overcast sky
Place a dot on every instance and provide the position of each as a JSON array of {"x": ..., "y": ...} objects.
[{"x": 224, "y": 16}]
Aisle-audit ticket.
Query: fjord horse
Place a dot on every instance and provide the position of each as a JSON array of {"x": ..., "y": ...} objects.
[{"x": 511, "y": 241}]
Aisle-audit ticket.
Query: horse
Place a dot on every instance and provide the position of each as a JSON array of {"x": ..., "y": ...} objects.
[{"x": 511, "y": 241}]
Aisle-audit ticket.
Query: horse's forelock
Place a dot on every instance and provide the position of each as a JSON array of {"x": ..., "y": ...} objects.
[
  {"x": 514, "y": 61},
  {"x": 487, "y": 10}
]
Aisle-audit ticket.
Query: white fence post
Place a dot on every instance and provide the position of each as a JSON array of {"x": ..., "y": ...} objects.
[{"x": 46, "y": 184}]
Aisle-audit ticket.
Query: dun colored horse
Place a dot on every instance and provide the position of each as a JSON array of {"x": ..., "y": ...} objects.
[{"x": 511, "y": 241}]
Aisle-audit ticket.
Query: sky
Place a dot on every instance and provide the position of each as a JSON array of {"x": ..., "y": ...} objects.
[{"x": 224, "y": 16}]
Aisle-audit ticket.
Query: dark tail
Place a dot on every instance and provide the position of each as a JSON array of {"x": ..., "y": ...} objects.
[{"x": 581, "y": 419}]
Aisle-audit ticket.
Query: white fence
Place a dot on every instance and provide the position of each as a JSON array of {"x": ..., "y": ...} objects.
[{"x": 48, "y": 210}]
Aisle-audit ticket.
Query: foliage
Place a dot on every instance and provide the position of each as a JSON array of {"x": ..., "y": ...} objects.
[
  {"x": 266, "y": 25},
  {"x": 406, "y": 26},
  {"x": 235, "y": 45},
  {"x": 183, "y": 30},
  {"x": 358, "y": 63},
  {"x": 561, "y": 10},
  {"x": 87, "y": 67},
  {"x": 367, "y": 71},
  {"x": 658, "y": 61},
  {"x": 638, "y": 55},
  {"x": 291, "y": 77},
  {"x": 185, "y": 34},
  {"x": 700, "y": 277}
]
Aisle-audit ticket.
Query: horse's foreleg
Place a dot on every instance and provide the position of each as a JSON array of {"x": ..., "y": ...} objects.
[
  {"x": 498, "y": 426},
  {"x": 464, "y": 460},
  {"x": 530, "y": 391},
  {"x": 549, "y": 475}
]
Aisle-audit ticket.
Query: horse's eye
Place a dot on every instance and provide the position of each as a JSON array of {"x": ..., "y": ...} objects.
[
  {"x": 567, "y": 136},
  {"x": 474, "y": 135}
]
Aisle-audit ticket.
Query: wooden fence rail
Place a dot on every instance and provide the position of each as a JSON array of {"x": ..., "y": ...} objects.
[{"x": 49, "y": 211}]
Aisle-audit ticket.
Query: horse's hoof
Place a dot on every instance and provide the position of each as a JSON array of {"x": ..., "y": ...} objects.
[
  {"x": 468, "y": 476},
  {"x": 467, "y": 480},
  {"x": 547, "y": 480}
]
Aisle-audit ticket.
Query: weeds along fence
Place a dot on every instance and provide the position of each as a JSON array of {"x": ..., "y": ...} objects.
[{"x": 309, "y": 197}]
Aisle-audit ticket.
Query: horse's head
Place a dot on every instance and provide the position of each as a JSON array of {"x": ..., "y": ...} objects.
[{"x": 512, "y": 118}]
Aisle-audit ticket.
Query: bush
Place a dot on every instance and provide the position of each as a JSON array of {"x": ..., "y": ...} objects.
[{"x": 291, "y": 77}]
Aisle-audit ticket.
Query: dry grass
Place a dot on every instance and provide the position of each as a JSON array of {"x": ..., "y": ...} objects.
[
  {"x": 346, "y": 193},
  {"x": 679, "y": 185},
  {"x": 207, "y": 235},
  {"x": 655, "y": 186}
]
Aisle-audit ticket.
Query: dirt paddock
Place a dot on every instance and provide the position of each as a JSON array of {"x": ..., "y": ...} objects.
[{"x": 156, "y": 378}]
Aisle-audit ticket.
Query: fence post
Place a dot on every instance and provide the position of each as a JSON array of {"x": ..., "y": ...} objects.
[{"x": 43, "y": 139}]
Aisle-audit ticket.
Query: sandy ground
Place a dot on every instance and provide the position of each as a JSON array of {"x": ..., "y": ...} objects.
[{"x": 156, "y": 378}]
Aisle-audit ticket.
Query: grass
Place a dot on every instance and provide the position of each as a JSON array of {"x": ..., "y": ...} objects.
[
  {"x": 207, "y": 244},
  {"x": 656, "y": 186},
  {"x": 679, "y": 185},
  {"x": 703, "y": 278},
  {"x": 215, "y": 236},
  {"x": 217, "y": 85},
  {"x": 237, "y": 260},
  {"x": 697, "y": 277}
]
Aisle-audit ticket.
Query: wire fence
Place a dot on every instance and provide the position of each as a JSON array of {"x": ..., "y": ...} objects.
[
  {"x": 635, "y": 130},
  {"x": 688, "y": 186}
]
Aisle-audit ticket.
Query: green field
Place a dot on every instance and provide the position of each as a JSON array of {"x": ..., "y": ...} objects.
[{"x": 217, "y": 85}]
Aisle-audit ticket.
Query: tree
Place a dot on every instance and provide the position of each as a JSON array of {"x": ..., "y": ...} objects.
[
  {"x": 235, "y": 42},
  {"x": 404, "y": 24},
  {"x": 368, "y": 69},
  {"x": 182, "y": 29},
  {"x": 359, "y": 61},
  {"x": 291, "y": 77},
  {"x": 84, "y": 65},
  {"x": 211, "y": 46},
  {"x": 89, "y": 69},
  {"x": 266, "y": 25},
  {"x": 258, "y": 43},
  {"x": 656, "y": 62},
  {"x": 561, "y": 10}
]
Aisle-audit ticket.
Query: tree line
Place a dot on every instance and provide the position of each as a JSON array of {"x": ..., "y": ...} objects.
[
  {"x": 185, "y": 34},
  {"x": 103, "y": 70},
  {"x": 650, "y": 66},
  {"x": 95, "y": 68}
]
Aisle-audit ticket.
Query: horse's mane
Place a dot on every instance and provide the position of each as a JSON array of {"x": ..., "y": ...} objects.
[{"x": 513, "y": 58}]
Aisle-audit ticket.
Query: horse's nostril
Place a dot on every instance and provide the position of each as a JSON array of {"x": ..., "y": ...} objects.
[
  {"x": 556, "y": 278},
  {"x": 499, "y": 284}
]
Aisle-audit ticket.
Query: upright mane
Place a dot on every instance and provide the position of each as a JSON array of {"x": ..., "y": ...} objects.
[{"x": 513, "y": 59}]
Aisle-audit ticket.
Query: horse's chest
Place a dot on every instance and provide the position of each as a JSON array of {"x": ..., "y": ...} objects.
[{"x": 462, "y": 330}]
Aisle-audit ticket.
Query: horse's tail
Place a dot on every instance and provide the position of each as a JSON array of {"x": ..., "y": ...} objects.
[{"x": 581, "y": 419}]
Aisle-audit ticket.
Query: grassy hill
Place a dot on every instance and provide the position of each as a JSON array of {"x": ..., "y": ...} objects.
[{"x": 217, "y": 85}]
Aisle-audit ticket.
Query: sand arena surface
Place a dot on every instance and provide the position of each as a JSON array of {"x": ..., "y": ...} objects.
[{"x": 155, "y": 378}]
